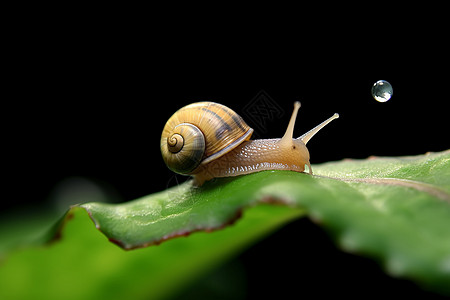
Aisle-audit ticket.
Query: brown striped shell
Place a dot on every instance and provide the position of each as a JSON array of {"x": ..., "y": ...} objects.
[{"x": 199, "y": 133}]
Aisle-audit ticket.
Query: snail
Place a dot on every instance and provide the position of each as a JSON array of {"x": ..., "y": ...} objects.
[{"x": 208, "y": 140}]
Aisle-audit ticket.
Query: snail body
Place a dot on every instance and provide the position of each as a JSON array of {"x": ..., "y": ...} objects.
[{"x": 209, "y": 140}]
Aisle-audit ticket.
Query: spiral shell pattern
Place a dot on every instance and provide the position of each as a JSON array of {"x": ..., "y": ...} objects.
[{"x": 199, "y": 133}]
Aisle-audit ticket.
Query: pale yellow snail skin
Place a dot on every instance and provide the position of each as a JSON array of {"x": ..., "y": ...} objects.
[{"x": 236, "y": 158}]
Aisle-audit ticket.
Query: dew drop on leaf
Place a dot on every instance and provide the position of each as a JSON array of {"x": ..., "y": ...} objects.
[{"x": 382, "y": 91}]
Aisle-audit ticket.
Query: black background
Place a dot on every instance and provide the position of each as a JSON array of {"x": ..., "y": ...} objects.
[{"x": 88, "y": 96}]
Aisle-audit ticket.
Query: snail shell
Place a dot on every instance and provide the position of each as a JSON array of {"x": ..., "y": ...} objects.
[{"x": 199, "y": 133}]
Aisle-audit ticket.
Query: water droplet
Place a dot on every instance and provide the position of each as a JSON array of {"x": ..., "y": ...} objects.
[{"x": 382, "y": 91}]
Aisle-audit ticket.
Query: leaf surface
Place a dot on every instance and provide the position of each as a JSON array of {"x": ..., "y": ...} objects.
[
  {"x": 82, "y": 264},
  {"x": 396, "y": 210}
]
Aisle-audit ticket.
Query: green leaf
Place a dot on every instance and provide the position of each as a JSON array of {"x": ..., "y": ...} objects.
[
  {"x": 396, "y": 210},
  {"x": 83, "y": 265}
]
